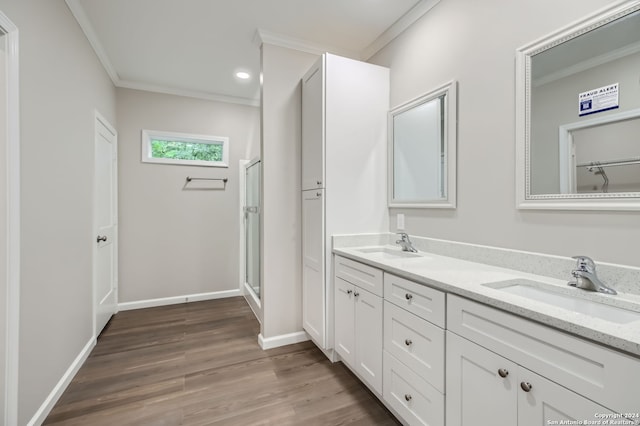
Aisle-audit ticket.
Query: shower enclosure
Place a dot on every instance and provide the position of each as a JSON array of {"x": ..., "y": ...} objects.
[{"x": 251, "y": 211}]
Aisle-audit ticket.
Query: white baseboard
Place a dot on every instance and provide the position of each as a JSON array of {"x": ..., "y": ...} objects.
[
  {"x": 164, "y": 301},
  {"x": 282, "y": 340},
  {"x": 46, "y": 407}
]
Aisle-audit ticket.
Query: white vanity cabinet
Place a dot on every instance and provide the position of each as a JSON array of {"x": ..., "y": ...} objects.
[
  {"x": 358, "y": 320},
  {"x": 414, "y": 351},
  {"x": 344, "y": 145},
  {"x": 313, "y": 271},
  {"x": 506, "y": 370},
  {"x": 484, "y": 388}
]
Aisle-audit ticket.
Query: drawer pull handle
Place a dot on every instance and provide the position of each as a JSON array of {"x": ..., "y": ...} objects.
[
  {"x": 503, "y": 372},
  {"x": 349, "y": 291},
  {"x": 408, "y": 342},
  {"x": 408, "y": 296},
  {"x": 526, "y": 386},
  {"x": 356, "y": 294},
  {"x": 408, "y": 397}
]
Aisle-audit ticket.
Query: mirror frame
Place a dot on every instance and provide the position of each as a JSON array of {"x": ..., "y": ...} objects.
[
  {"x": 524, "y": 198},
  {"x": 450, "y": 109}
]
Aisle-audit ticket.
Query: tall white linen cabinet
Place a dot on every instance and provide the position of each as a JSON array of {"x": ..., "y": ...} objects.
[{"x": 344, "y": 173}]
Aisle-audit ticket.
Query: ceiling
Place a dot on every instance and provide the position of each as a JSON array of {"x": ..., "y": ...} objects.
[{"x": 194, "y": 47}]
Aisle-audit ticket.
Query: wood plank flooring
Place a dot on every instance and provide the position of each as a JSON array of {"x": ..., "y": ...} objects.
[{"x": 200, "y": 364}]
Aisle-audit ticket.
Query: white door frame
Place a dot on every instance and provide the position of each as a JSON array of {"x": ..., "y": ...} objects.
[
  {"x": 99, "y": 119},
  {"x": 567, "y": 146},
  {"x": 12, "y": 226}
]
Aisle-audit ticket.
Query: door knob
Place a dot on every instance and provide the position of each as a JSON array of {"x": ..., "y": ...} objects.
[
  {"x": 408, "y": 342},
  {"x": 503, "y": 372},
  {"x": 408, "y": 296},
  {"x": 349, "y": 291},
  {"x": 101, "y": 238},
  {"x": 356, "y": 294}
]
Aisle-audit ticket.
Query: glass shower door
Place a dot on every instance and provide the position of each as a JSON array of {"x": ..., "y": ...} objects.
[{"x": 252, "y": 226}]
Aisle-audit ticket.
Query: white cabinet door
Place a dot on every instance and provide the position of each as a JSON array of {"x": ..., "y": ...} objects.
[
  {"x": 313, "y": 128},
  {"x": 344, "y": 322},
  {"x": 547, "y": 403},
  {"x": 368, "y": 338},
  {"x": 313, "y": 272},
  {"x": 477, "y": 394}
]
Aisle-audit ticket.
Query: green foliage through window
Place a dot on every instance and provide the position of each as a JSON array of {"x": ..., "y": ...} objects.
[{"x": 186, "y": 150}]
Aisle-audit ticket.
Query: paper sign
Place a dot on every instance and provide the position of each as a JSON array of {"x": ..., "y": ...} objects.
[{"x": 598, "y": 100}]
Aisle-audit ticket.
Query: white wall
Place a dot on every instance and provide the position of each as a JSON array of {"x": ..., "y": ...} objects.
[
  {"x": 474, "y": 43},
  {"x": 282, "y": 71},
  {"x": 61, "y": 83},
  {"x": 173, "y": 241}
]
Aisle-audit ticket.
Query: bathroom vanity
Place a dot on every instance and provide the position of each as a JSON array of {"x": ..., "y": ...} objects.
[{"x": 437, "y": 337}]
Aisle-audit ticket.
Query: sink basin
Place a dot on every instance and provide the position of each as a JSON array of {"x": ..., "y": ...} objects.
[
  {"x": 387, "y": 253},
  {"x": 555, "y": 296}
]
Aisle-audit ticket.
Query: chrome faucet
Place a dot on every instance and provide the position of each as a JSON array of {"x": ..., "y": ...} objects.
[
  {"x": 405, "y": 242},
  {"x": 586, "y": 278}
]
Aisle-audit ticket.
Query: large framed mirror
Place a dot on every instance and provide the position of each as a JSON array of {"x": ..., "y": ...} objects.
[
  {"x": 578, "y": 115},
  {"x": 422, "y": 150}
]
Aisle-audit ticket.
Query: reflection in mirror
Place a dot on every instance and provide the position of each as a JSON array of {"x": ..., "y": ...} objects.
[
  {"x": 422, "y": 151},
  {"x": 592, "y": 162},
  {"x": 579, "y": 115}
]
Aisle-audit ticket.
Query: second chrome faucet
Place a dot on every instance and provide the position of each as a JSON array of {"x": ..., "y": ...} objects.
[{"x": 586, "y": 278}]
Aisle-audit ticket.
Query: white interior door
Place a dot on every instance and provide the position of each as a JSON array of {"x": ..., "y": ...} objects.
[{"x": 105, "y": 260}]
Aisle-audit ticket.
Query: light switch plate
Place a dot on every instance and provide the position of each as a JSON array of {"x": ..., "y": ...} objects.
[{"x": 400, "y": 222}]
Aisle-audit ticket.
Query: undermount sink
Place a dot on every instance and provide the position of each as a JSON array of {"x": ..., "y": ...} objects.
[
  {"x": 557, "y": 297},
  {"x": 387, "y": 253}
]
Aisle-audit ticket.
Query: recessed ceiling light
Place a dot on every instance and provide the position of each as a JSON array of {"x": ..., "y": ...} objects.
[{"x": 243, "y": 75}]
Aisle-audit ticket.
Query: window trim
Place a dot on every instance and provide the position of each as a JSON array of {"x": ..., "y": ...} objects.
[{"x": 149, "y": 135}]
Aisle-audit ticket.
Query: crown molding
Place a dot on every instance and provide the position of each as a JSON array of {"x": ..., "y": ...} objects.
[
  {"x": 269, "y": 37},
  {"x": 78, "y": 12},
  {"x": 126, "y": 84},
  {"x": 398, "y": 27}
]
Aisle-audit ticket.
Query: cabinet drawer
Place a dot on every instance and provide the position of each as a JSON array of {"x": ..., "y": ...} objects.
[
  {"x": 362, "y": 275},
  {"x": 421, "y": 300},
  {"x": 415, "y": 342},
  {"x": 599, "y": 373},
  {"x": 413, "y": 399}
]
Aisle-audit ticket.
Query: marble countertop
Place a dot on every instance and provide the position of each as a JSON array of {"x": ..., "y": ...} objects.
[{"x": 469, "y": 279}]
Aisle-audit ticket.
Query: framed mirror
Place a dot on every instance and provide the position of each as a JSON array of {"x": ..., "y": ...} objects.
[
  {"x": 578, "y": 115},
  {"x": 422, "y": 150}
]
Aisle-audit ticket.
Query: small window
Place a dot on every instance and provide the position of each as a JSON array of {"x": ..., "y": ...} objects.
[{"x": 185, "y": 149}]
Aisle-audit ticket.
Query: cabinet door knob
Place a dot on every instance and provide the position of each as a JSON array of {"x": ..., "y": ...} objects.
[
  {"x": 319, "y": 182},
  {"x": 408, "y": 296},
  {"x": 349, "y": 291},
  {"x": 318, "y": 194},
  {"x": 407, "y": 397},
  {"x": 526, "y": 386},
  {"x": 101, "y": 238},
  {"x": 356, "y": 294},
  {"x": 503, "y": 372},
  {"x": 408, "y": 342}
]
